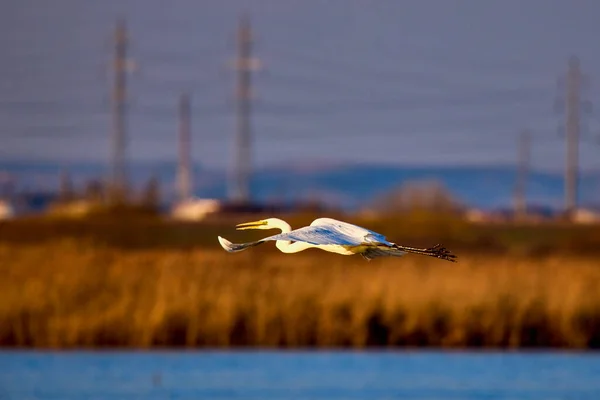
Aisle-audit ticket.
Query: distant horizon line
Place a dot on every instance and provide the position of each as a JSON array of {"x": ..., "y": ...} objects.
[{"x": 309, "y": 165}]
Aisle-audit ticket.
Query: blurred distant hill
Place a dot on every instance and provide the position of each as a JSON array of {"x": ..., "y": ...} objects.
[{"x": 346, "y": 186}]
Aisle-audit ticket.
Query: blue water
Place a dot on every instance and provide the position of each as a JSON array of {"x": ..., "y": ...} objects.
[
  {"x": 289, "y": 375},
  {"x": 348, "y": 187}
]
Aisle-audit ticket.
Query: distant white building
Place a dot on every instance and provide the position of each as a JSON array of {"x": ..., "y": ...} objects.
[
  {"x": 6, "y": 210},
  {"x": 195, "y": 209},
  {"x": 584, "y": 216}
]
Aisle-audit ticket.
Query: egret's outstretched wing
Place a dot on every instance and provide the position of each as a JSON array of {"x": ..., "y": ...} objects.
[
  {"x": 351, "y": 230},
  {"x": 315, "y": 235},
  {"x": 235, "y": 247},
  {"x": 319, "y": 235}
]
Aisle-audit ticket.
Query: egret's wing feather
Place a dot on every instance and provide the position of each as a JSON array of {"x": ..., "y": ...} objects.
[
  {"x": 319, "y": 235},
  {"x": 351, "y": 230},
  {"x": 235, "y": 247}
]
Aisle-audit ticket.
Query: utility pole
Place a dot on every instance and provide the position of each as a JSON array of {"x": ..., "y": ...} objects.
[
  {"x": 572, "y": 109},
  {"x": 119, "y": 182},
  {"x": 245, "y": 64},
  {"x": 184, "y": 170},
  {"x": 524, "y": 159}
]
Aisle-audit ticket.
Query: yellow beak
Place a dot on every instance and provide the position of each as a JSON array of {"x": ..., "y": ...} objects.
[{"x": 250, "y": 225}]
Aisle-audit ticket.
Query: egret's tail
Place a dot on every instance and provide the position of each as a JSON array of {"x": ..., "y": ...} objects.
[
  {"x": 235, "y": 247},
  {"x": 371, "y": 253}
]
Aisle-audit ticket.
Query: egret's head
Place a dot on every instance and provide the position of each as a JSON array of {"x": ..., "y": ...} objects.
[
  {"x": 269, "y": 223},
  {"x": 262, "y": 224}
]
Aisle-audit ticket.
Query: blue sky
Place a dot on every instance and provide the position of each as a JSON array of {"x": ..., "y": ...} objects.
[{"x": 406, "y": 82}]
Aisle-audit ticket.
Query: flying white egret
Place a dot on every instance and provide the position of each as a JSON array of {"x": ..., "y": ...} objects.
[{"x": 334, "y": 236}]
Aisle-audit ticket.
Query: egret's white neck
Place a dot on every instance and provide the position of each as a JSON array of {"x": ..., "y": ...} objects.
[
  {"x": 276, "y": 223},
  {"x": 287, "y": 246}
]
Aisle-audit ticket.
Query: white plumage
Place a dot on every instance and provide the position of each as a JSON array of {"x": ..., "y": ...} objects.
[{"x": 331, "y": 235}]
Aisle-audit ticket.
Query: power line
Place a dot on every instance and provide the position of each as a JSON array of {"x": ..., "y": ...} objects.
[
  {"x": 573, "y": 105},
  {"x": 240, "y": 190},
  {"x": 524, "y": 160},
  {"x": 184, "y": 170},
  {"x": 572, "y": 110},
  {"x": 119, "y": 173}
]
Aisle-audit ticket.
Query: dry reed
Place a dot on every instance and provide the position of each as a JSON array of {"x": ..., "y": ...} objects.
[{"x": 72, "y": 293}]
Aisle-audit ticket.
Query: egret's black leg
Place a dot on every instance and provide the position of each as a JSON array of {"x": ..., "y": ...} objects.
[{"x": 437, "y": 251}]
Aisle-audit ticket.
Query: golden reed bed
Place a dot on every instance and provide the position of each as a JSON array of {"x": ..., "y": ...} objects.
[{"x": 74, "y": 294}]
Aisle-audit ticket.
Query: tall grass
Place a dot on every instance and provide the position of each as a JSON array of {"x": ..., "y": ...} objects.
[{"x": 72, "y": 293}]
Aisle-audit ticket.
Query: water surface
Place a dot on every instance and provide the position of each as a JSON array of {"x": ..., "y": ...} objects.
[{"x": 297, "y": 375}]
